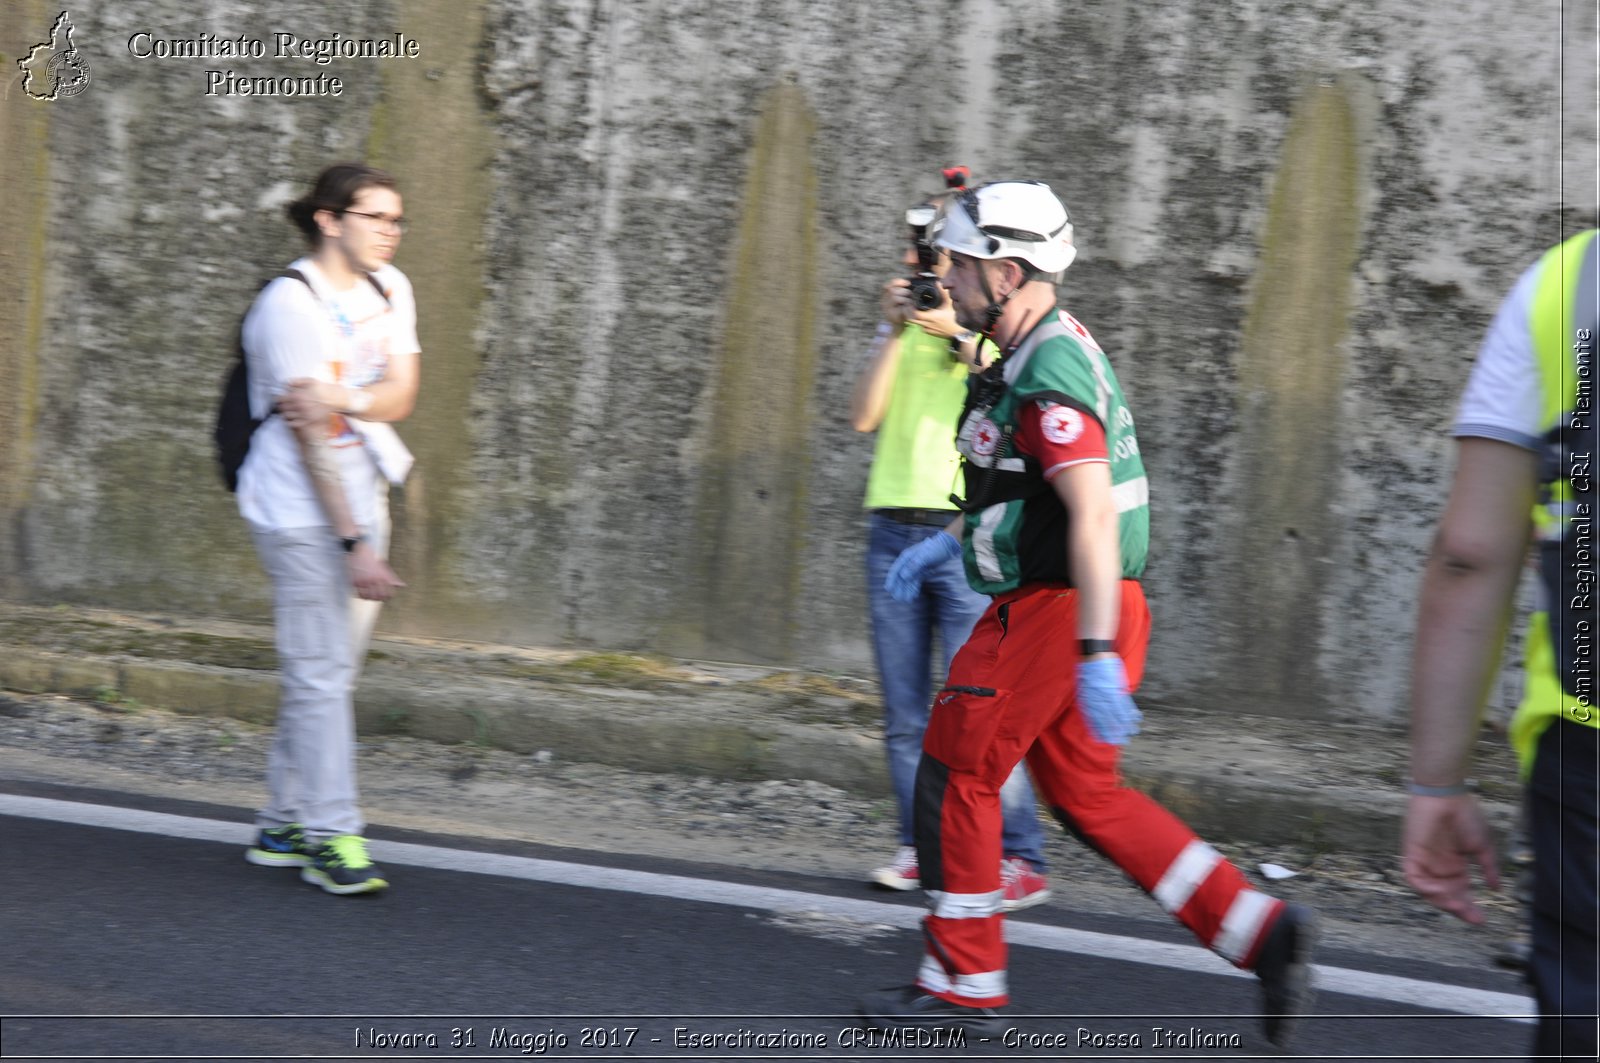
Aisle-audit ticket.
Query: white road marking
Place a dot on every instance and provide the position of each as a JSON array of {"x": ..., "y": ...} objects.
[{"x": 1435, "y": 996}]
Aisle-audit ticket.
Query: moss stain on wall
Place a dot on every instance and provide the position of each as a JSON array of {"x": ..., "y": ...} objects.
[
  {"x": 24, "y": 222},
  {"x": 1291, "y": 374},
  {"x": 431, "y": 131},
  {"x": 753, "y": 493}
]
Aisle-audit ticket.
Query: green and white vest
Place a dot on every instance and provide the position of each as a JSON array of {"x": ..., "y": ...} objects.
[{"x": 1016, "y": 527}]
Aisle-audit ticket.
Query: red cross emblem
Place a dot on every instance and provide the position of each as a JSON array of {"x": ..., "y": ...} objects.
[
  {"x": 985, "y": 438},
  {"x": 1061, "y": 424},
  {"x": 1078, "y": 330}
]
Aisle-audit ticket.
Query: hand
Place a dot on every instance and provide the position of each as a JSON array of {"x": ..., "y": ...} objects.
[
  {"x": 940, "y": 321},
  {"x": 309, "y": 402},
  {"x": 371, "y": 575},
  {"x": 1441, "y": 839},
  {"x": 896, "y": 302},
  {"x": 904, "y": 581},
  {"x": 899, "y": 311},
  {"x": 1103, "y": 696}
]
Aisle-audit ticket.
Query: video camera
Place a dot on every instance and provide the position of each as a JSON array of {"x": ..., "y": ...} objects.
[{"x": 926, "y": 291}]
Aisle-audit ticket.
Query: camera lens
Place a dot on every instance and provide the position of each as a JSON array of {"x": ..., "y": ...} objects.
[{"x": 925, "y": 292}]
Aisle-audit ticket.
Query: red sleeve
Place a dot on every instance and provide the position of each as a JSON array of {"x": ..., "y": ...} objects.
[{"x": 1058, "y": 436}]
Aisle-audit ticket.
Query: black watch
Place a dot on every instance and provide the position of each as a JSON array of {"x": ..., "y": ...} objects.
[
  {"x": 1090, "y": 647},
  {"x": 349, "y": 542}
]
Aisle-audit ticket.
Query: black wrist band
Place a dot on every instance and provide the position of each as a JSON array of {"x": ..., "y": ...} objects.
[
  {"x": 1090, "y": 647},
  {"x": 349, "y": 542}
]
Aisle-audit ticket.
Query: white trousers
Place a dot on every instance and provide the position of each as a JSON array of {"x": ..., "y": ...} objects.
[{"x": 322, "y": 631}]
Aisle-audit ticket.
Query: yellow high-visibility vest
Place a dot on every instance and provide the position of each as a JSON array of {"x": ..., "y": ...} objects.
[{"x": 1563, "y": 642}]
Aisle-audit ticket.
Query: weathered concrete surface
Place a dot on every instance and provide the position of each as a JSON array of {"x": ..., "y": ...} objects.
[
  {"x": 579, "y": 173},
  {"x": 1229, "y": 774}
]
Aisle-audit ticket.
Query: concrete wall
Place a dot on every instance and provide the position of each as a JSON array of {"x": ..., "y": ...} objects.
[{"x": 647, "y": 245}]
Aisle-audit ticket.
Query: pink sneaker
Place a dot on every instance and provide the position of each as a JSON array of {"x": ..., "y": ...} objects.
[
  {"x": 1024, "y": 887},
  {"x": 901, "y": 873}
]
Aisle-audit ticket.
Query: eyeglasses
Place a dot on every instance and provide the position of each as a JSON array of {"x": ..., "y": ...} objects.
[{"x": 385, "y": 222}]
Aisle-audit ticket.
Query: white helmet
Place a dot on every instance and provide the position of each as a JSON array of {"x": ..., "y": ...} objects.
[{"x": 1008, "y": 219}]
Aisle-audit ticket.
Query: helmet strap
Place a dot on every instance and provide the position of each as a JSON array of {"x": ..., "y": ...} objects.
[
  {"x": 996, "y": 307},
  {"x": 991, "y": 316}
]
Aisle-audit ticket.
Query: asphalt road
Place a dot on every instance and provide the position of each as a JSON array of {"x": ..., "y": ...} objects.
[{"x": 134, "y": 942}]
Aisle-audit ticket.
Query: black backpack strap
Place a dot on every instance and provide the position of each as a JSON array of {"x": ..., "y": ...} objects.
[
  {"x": 292, "y": 274},
  {"x": 234, "y": 426},
  {"x": 377, "y": 286}
]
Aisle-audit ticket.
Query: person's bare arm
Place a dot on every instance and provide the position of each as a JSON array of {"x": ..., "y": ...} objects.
[
  {"x": 1465, "y": 606},
  {"x": 370, "y": 575},
  {"x": 869, "y": 402},
  {"x": 1468, "y": 588},
  {"x": 392, "y": 398},
  {"x": 870, "y": 399},
  {"x": 1094, "y": 549}
]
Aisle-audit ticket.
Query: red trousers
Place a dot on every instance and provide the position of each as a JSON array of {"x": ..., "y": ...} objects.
[{"x": 1012, "y": 693}]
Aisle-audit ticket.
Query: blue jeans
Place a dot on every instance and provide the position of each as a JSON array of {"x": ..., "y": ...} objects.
[{"x": 902, "y": 639}]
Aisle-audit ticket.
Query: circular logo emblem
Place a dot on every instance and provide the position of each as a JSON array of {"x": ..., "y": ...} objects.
[
  {"x": 1062, "y": 424},
  {"x": 67, "y": 73},
  {"x": 985, "y": 439}
]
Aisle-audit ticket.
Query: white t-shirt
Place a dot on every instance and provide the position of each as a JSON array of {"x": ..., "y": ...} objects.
[
  {"x": 343, "y": 337},
  {"x": 1502, "y": 397}
]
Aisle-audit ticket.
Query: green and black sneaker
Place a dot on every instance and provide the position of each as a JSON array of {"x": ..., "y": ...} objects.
[
  {"x": 280, "y": 847},
  {"x": 341, "y": 865}
]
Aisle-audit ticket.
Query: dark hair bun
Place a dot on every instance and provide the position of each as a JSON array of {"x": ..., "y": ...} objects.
[{"x": 303, "y": 213}]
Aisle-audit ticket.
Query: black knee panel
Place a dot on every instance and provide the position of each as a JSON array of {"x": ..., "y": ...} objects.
[{"x": 927, "y": 812}]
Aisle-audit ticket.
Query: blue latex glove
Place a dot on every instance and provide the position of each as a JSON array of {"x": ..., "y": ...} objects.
[
  {"x": 1103, "y": 696},
  {"x": 904, "y": 581}
]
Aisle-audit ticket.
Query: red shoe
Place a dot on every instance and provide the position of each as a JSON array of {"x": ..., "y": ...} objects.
[
  {"x": 1023, "y": 886},
  {"x": 901, "y": 873}
]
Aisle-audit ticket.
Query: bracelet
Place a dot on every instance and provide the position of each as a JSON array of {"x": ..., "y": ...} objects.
[
  {"x": 1416, "y": 789},
  {"x": 1090, "y": 647}
]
